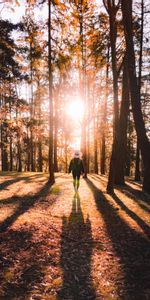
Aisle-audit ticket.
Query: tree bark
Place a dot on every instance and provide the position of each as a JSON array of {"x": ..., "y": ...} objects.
[
  {"x": 103, "y": 146},
  {"x": 32, "y": 114},
  {"x": 11, "y": 154},
  {"x": 135, "y": 95},
  {"x": 56, "y": 134},
  {"x": 39, "y": 146},
  {"x": 137, "y": 163},
  {"x": 4, "y": 143},
  {"x": 112, "y": 9},
  {"x": 95, "y": 150},
  {"x": 122, "y": 144},
  {"x": 83, "y": 88},
  {"x": 51, "y": 163}
]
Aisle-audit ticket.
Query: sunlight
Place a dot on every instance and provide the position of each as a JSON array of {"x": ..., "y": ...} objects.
[{"x": 75, "y": 110}]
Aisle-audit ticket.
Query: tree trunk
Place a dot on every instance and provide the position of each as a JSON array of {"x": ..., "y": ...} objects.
[
  {"x": 112, "y": 11},
  {"x": 88, "y": 127},
  {"x": 135, "y": 95},
  {"x": 28, "y": 151},
  {"x": 122, "y": 143},
  {"x": 19, "y": 156},
  {"x": 83, "y": 88},
  {"x": 39, "y": 146},
  {"x": 32, "y": 115},
  {"x": 40, "y": 160},
  {"x": 56, "y": 135},
  {"x": 11, "y": 155},
  {"x": 103, "y": 145},
  {"x": 137, "y": 163},
  {"x": 95, "y": 144},
  {"x": 4, "y": 143},
  {"x": 51, "y": 163}
]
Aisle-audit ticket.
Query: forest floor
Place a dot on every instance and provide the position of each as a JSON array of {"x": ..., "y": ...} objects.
[{"x": 56, "y": 245}]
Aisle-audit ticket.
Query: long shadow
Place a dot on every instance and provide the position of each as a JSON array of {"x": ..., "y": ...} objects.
[
  {"x": 25, "y": 203},
  {"x": 22, "y": 259},
  {"x": 130, "y": 213},
  {"x": 136, "y": 195},
  {"x": 22, "y": 264},
  {"x": 131, "y": 247},
  {"x": 76, "y": 251},
  {"x": 18, "y": 178}
]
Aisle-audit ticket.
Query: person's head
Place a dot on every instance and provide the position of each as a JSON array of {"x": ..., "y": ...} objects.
[{"x": 76, "y": 154}]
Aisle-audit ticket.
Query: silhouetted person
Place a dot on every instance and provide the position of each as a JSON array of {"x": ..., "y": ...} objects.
[{"x": 77, "y": 168}]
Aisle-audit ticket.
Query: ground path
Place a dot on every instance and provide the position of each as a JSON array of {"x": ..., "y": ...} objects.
[{"x": 58, "y": 245}]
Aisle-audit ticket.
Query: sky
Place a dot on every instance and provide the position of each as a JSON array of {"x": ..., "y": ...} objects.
[{"x": 15, "y": 13}]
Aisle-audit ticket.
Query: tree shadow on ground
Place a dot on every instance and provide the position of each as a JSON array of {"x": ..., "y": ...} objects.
[
  {"x": 133, "y": 215},
  {"x": 16, "y": 279},
  {"x": 76, "y": 252},
  {"x": 23, "y": 251},
  {"x": 23, "y": 263},
  {"x": 24, "y": 204},
  {"x": 18, "y": 178},
  {"x": 135, "y": 194},
  {"x": 130, "y": 246}
]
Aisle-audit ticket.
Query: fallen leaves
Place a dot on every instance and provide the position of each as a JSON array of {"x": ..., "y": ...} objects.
[{"x": 62, "y": 247}]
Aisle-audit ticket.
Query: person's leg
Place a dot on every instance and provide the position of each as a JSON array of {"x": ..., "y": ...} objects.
[
  {"x": 78, "y": 181},
  {"x": 74, "y": 180}
]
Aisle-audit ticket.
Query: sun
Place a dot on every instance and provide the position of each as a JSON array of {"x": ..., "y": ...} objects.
[{"x": 75, "y": 110}]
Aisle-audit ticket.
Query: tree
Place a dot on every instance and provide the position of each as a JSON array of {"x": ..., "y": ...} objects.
[
  {"x": 112, "y": 9},
  {"x": 51, "y": 149},
  {"x": 137, "y": 165},
  {"x": 135, "y": 94},
  {"x": 9, "y": 70}
]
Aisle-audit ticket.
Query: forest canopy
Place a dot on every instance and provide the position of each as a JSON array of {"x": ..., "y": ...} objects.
[{"x": 75, "y": 75}]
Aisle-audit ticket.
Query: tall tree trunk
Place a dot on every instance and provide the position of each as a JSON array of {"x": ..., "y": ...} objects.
[
  {"x": 19, "y": 156},
  {"x": 137, "y": 163},
  {"x": 19, "y": 160},
  {"x": 122, "y": 144},
  {"x": 4, "y": 143},
  {"x": 28, "y": 151},
  {"x": 56, "y": 134},
  {"x": 40, "y": 160},
  {"x": 135, "y": 95},
  {"x": 11, "y": 154},
  {"x": 95, "y": 151},
  {"x": 88, "y": 127},
  {"x": 39, "y": 145},
  {"x": 83, "y": 87},
  {"x": 51, "y": 163},
  {"x": 112, "y": 9},
  {"x": 88, "y": 150},
  {"x": 32, "y": 114},
  {"x": 95, "y": 138},
  {"x": 103, "y": 143},
  {"x": 129, "y": 147}
]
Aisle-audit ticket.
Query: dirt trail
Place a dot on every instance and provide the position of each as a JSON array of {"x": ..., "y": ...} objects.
[{"x": 58, "y": 245}]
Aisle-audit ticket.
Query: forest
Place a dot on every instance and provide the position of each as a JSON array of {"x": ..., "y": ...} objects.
[{"x": 74, "y": 77}]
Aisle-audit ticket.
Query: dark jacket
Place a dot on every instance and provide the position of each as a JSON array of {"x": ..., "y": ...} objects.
[{"x": 76, "y": 166}]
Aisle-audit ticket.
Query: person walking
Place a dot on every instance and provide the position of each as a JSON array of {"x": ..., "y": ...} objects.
[{"x": 77, "y": 168}]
